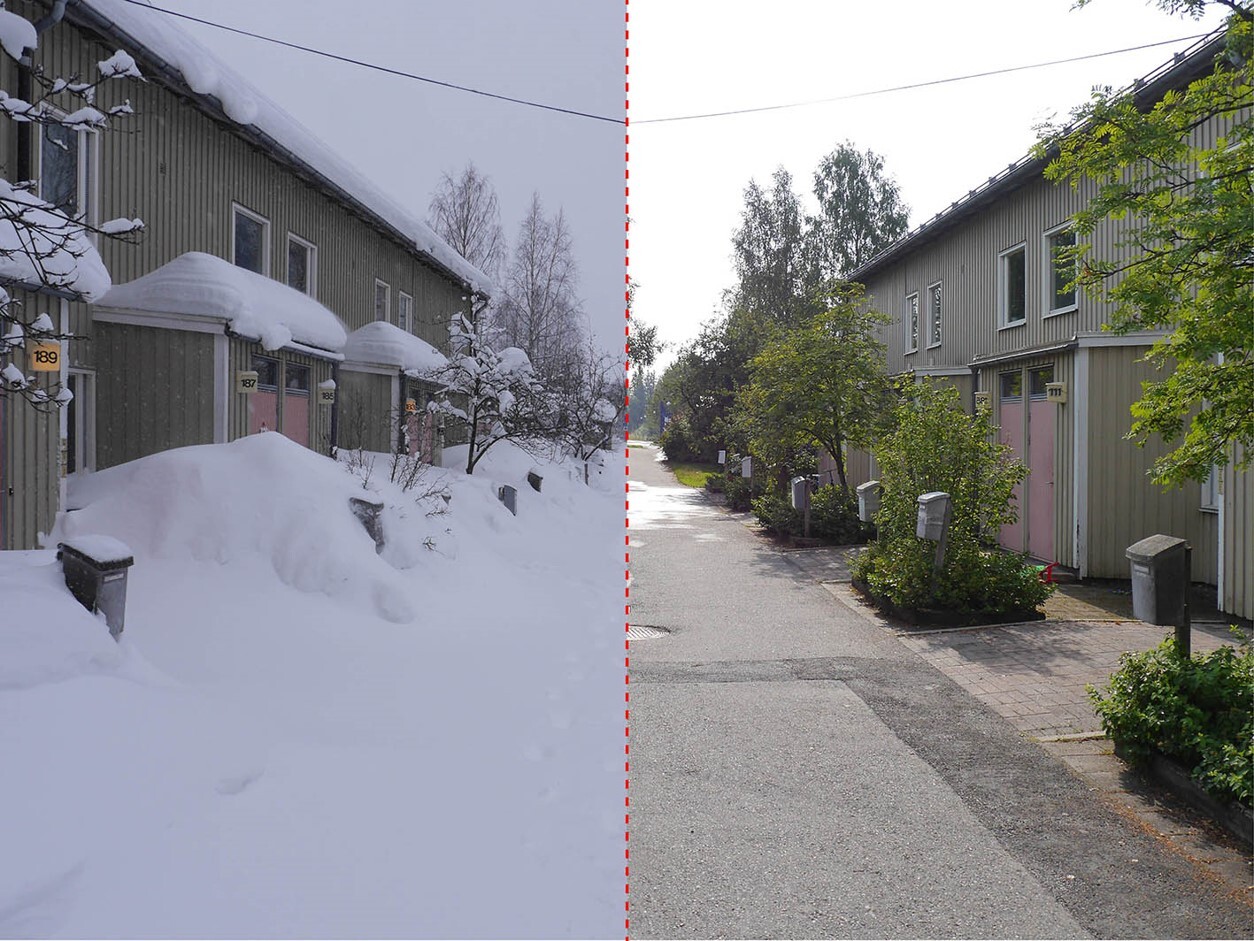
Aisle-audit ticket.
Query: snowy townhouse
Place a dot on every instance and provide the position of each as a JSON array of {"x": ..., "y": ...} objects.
[
  {"x": 274, "y": 287},
  {"x": 975, "y": 301}
]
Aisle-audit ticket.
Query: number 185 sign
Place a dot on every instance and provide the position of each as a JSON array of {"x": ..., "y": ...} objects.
[{"x": 44, "y": 357}]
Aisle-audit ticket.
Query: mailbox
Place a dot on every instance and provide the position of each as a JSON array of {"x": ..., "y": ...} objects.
[
  {"x": 722, "y": 457},
  {"x": 868, "y": 500},
  {"x": 801, "y": 493},
  {"x": 746, "y": 467},
  {"x": 1160, "y": 579},
  {"x": 933, "y": 516},
  {"x": 509, "y": 496}
]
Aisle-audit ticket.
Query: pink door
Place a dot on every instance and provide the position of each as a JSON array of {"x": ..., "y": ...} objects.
[
  {"x": 1040, "y": 461},
  {"x": 1011, "y": 433},
  {"x": 296, "y": 417},
  {"x": 263, "y": 411}
]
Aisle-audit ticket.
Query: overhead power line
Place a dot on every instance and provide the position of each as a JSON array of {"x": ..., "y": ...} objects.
[
  {"x": 375, "y": 67},
  {"x": 900, "y": 88}
]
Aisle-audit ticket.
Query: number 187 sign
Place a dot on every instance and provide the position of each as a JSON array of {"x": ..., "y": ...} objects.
[{"x": 45, "y": 357}]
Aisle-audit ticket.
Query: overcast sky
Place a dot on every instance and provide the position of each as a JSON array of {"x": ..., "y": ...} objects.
[
  {"x": 699, "y": 56},
  {"x": 405, "y": 134}
]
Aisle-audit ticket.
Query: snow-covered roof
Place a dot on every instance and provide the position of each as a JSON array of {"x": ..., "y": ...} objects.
[
  {"x": 44, "y": 247},
  {"x": 386, "y": 344},
  {"x": 157, "y": 36},
  {"x": 201, "y": 285}
]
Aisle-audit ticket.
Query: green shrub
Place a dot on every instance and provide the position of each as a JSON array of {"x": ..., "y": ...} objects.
[
  {"x": 740, "y": 491},
  {"x": 776, "y": 514},
  {"x": 1197, "y": 711},
  {"x": 935, "y": 446},
  {"x": 677, "y": 441},
  {"x": 834, "y": 517}
]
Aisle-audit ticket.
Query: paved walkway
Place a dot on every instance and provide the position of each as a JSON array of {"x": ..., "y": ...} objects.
[{"x": 797, "y": 771}]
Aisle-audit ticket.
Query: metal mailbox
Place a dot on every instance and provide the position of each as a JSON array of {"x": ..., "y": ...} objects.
[
  {"x": 509, "y": 496},
  {"x": 801, "y": 493},
  {"x": 868, "y": 500},
  {"x": 746, "y": 467},
  {"x": 933, "y": 515},
  {"x": 1160, "y": 579}
]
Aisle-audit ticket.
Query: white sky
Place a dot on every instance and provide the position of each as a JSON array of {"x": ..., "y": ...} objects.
[
  {"x": 688, "y": 178},
  {"x": 404, "y": 134}
]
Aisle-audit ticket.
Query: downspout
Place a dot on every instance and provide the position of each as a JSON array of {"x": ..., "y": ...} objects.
[
  {"x": 334, "y": 448},
  {"x": 25, "y": 86}
]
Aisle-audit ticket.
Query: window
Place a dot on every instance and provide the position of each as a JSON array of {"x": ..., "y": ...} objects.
[
  {"x": 934, "y": 315},
  {"x": 406, "y": 315},
  {"x": 301, "y": 257},
  {"x": 267, "y": 371},
  {"x": 1060, "y": 272},
  {"x": 1210, "y": 490},
  {"x": 1038, "y": 379},
  {"x": 251, "y": 235},
  {"x": 912, "y": 323},
  {"x": 1011, "y": 385},
  {"x": 66, "y": 179},
  {"x": 1012, "y": 275},
  {"x": 382, "y": 300},
  {"x": 295, "y": 379}
]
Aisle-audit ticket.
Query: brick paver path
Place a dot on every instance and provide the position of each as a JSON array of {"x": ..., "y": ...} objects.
[{"x": 1035, "y": 674}]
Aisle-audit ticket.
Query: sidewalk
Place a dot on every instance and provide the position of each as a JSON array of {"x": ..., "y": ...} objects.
[{"x": 1034, "y": 675}]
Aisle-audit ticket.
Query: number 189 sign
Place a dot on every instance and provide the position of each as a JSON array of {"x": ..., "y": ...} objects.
[{"x": 45, "y": 357}]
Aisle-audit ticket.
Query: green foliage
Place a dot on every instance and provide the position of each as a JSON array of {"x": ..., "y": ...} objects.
[
  {"x": 643, "y": 346},
  {"x": 860, "y": 211},
  {"x": 937, "y": 447},
  {"x": 678, "y": 442},
  {"x": 819, "y": 384},
  {"x": 771, "y": 251},
  {"x": 776, "y": 514},
  {"x": 1181, "y": 195},
  {"x": 834, "y": 517},
  {"x": 740, "y": 491},
  {"x": 694, "y": 475},
  {"x": 1198, "y": 711}
]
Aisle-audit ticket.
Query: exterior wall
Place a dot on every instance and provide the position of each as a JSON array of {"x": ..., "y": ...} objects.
[
  {"x": 1125, "y": 505},
  {"x": 154, "y": 390},
  {"x": 1237, "y": 596},
  {"x": 29, "y": 471},
  {"x": 241, "y": 356},
  {"x": 366, "y": 420}
]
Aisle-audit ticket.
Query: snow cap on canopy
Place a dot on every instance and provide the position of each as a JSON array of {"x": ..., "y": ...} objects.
[
  {"x": 201, "y": 285},
  {"x": 386, "y": 344}
]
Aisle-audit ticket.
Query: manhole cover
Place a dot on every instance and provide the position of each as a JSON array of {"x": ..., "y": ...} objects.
[{"x": 645, "y": 632}]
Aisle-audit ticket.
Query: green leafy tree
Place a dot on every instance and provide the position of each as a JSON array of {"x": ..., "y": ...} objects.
[
  {"x": 861, "y": 211},
  {"x": 819, "y": 384},
  {"x": 772, "y": 253},
  {"x": 1181, "y": 196}
]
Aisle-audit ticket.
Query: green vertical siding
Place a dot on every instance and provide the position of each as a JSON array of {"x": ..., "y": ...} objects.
[
  {"x": 154, "y": 390},
  {"x": 367, "y": 411},
  {"x": 1238, "y": 541}
]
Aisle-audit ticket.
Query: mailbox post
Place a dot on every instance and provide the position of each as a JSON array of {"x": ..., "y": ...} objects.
[
  {"x": 1161, "y": 573},
  {"x": 933, "y": 524}
]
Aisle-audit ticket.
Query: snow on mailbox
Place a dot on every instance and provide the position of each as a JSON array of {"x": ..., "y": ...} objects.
[
  {"x": 746, "y": 467},
  {"x": 868, "y": 500},
  {"x": 933, "y": 516}
]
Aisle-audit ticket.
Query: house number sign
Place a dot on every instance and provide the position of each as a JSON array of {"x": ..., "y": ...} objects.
[
  {"x": 246, "y": 381},
  {"x": 45, "y": 357}
]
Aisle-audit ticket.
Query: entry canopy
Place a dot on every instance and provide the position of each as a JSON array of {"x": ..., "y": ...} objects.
[
  {"x": 257, "y": 307},
  {"x": 383, "y": 344}
]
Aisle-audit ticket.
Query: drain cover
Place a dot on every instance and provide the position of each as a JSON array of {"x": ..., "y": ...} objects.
[{"x": 645, "y": 632}]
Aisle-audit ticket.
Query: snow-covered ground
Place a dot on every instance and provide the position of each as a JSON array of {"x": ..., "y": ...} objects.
[{"x": 298, "y": 736}]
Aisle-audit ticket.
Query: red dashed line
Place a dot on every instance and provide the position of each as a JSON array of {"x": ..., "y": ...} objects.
[{"x": 627, "y": 455}]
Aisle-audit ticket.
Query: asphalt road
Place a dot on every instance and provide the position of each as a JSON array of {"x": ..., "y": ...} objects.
[{"x": 797, "y": 772}]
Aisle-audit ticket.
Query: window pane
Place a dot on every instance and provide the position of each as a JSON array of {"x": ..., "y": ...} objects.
[
  {"x": 297, "y": 266},
  {"x": 1016, "y": 287},
  {"x": 912, "y": 321},
  {"x": 267, "y": 371},
  {"x": 58, "y": 168},
  {"x": 1064, "y": 272},
  {"x": 1037, "y": 379},
  {"x": 380, "y": 301},
  {"x": 936, "y": 314},
  {"x": 407, "y": 312},
  {"x": 296, "y": 379},
  {"x": 1011, "y": 385},
  {"x": 249, "y": 243}
]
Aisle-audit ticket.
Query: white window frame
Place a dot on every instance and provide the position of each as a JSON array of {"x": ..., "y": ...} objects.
[
  {"x": 85, "y": 413},
  {"x": 911, "y": 322},
  {"x": 1047, "y": 275},
  {"x": 1209, "y": 501},
  {"x": 311, "y": 265},
  {"x": 88, "y": 182},
  {"x": 387, "y": 300},
  {"x": 931, "y": 326},
  {"x": 1003, "y": 287},
  {"x": 236, "y": 211},
  {"x": 405, "y": 317}
]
